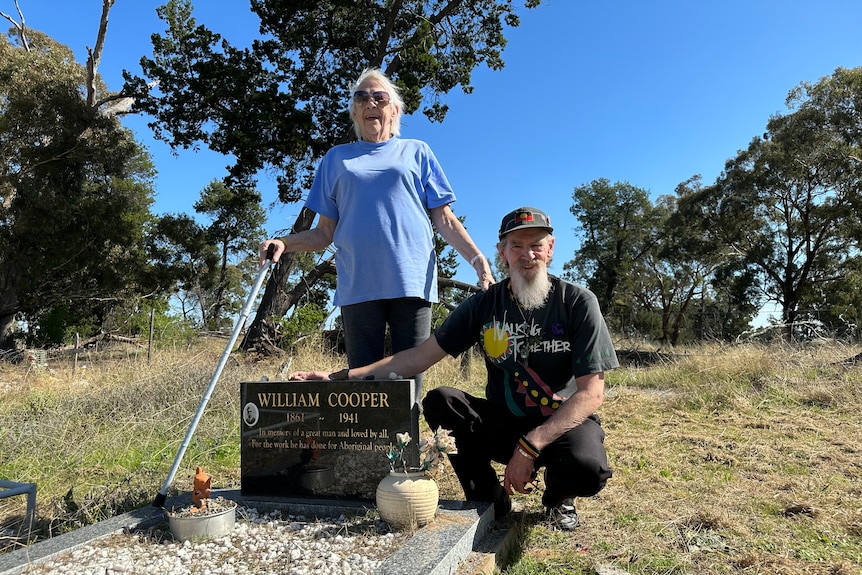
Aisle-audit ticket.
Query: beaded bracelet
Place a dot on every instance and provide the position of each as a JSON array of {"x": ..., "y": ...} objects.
[
  {"x": 525, "y": 454},
  {"x": 529, "y": 448}
]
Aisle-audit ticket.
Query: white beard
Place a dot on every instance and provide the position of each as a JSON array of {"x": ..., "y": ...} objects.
[{"x": 532, "y": 293}]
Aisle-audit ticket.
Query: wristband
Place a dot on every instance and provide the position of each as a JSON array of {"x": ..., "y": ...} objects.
[
  {"x": 476, "y": 257},
  {"x": 525, "y": 454},
  {"x": 529, "y": 449},
  {"x": 343, "y": 374}
]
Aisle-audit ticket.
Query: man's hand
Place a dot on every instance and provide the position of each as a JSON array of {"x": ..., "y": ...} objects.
[
  {"x": 308, "y": 375},
  {"x": 520, "y": 472}
]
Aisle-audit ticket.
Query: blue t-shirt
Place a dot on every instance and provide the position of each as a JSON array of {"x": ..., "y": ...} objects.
[
  {"x": 532, "y": 358},
  {"x": 380, "y": 194}
]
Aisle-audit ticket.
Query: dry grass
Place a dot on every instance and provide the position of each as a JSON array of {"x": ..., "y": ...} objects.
[
  {"x": 736, "y": 459},
  {"x": 101, "y": 441}
]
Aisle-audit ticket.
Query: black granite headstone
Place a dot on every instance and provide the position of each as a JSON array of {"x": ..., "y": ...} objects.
[{"x": 323, "y": 439}]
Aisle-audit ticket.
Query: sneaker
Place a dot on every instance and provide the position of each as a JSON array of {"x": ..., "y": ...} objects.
[{"x": 563, "y": 516}]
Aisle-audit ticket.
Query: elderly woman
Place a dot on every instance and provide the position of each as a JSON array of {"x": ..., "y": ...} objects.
[{"x": 373, "y": 197}]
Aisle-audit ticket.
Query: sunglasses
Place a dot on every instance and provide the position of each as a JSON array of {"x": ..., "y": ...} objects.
[{"x": 380, "y": 97}]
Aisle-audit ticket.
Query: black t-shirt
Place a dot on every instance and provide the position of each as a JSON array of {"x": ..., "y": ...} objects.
[{"x": 531, "y": 356}]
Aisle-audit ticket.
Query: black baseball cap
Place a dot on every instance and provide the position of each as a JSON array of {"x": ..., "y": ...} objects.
[{"x": 525, "y": 217}]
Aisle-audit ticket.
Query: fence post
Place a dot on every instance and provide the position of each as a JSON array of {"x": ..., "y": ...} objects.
[
  {"x": 150, "y": 342},
  {"x": 75, "y": 356}
]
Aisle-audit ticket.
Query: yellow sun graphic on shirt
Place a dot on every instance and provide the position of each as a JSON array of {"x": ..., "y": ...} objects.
[{"x": 497, "y": 341}]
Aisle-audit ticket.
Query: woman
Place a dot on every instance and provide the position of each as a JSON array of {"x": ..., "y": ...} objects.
[{"x": 373, "y": 198}]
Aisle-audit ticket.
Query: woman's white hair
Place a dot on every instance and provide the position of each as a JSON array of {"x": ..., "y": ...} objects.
[{"x": 394, "y": 98}]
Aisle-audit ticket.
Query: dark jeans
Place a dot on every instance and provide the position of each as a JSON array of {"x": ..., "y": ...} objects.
[
  {"x": 576, "y": 464},
  {"x": 409, "y": 321}
]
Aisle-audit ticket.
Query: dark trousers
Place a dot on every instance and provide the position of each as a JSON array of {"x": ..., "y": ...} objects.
[
  {"x": 576, "y": 464},
  {"x": 409, "y": 321}
]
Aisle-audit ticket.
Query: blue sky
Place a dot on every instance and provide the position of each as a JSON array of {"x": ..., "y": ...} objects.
[{"x": 645, "y": 92}]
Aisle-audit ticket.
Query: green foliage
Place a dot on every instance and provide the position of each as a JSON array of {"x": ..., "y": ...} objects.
[
  {"x": 439, "y": 313},
  {"x": 134, "y": 316},
  {"x": 839, "y": 304},
  {"x": 617, "y": 225},
  {"x": 638, "y": 259},
  {"x": 184, "y": 260},
  {"x": 304, "y": 320},
  {"x": 76, "y": 190},
  {"x": 59, "y": 325},
  {"x": 788, "y": 205},
  {"x": 131, "y": 318},
  {"x": 281, "y": 103},
  {"x": 235, "y": 228},
  {"x": 781, "y": 224},
  {"x": 208, "y": 266},
  {"x": 447, "y": 264}
]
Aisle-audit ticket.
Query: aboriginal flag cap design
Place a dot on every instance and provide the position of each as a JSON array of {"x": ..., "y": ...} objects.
[{"x": 525, "y": 217}]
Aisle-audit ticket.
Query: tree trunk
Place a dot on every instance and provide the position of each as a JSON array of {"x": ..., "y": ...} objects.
[
  {"x": 275, "y": 302},
  {"x": 443, "y": 282},
  {"x": 267, "y": 343},
  {"x": 7, "y": 339},
  {"x": 8, "y": 305}
]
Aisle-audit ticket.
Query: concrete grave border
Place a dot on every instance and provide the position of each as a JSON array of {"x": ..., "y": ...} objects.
[{"x": 436, "y": 549}]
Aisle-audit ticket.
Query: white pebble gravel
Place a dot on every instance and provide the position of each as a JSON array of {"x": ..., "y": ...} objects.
[{"x": 261, "y": 544}]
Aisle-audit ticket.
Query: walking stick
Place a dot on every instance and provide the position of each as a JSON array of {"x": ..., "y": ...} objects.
[{"x": 159, "y": 501}]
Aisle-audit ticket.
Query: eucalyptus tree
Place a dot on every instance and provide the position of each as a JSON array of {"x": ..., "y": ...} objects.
[
  {"x": 75, "y": 188},
  {"x": 280, "y": 103},
  {"x": 682, "y": 270},
  {"x": 723, "y": 295},
  {"x": 665, "y": 279},
  {"x": 789, "y": 204},
  {"x": 616, "y": 223}
]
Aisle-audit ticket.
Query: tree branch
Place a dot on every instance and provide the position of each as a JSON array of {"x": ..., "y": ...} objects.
[
  {"x": 433, "y": 19},
  {"x": 386, "y": 32},
  {"x": 95, "y": 55},
  {"x": 21, "y": 28}
]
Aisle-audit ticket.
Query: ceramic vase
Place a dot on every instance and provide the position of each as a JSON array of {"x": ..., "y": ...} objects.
[{"x": 407, "y": 500}]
